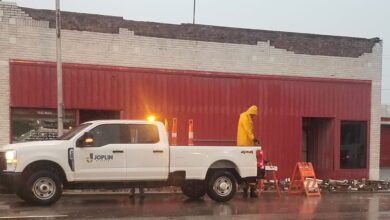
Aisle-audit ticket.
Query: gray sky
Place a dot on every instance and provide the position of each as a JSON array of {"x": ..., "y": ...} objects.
[{"x": 355, "y": 18}]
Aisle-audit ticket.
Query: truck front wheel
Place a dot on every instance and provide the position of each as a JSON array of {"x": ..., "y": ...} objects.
[
  {"x": 194, "y": 189},
  {"x": 42, "y": 188},
  {"x": 222, "y": 186}
]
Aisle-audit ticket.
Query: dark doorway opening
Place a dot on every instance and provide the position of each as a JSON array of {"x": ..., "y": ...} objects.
[
  {"x": 90, "y": 115},
  {"x": 353, "y": 144},
  {"x": 318, "y": 143}
]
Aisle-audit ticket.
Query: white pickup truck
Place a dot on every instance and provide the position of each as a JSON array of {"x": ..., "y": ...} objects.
[{"x": 120, "y": 154}]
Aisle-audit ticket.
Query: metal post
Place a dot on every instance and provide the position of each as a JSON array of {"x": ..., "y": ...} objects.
[
  {"x": 60, "y": 123},
  {"x": 193, "y": 18}
]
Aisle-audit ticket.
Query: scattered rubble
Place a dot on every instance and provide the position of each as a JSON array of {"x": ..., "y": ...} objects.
[{"x": 331, "y": 185}]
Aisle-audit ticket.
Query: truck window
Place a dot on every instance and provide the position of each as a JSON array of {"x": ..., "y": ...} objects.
[
  {"x": 144, "y": 134},
  {"x": 74, "y": 131},
  {"x": 110, "y": 134}
]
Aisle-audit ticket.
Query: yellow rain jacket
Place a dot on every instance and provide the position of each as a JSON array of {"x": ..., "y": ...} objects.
[{"x": 245, "y": 134}]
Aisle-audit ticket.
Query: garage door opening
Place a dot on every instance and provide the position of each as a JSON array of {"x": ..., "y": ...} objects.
[{"x": 318, "y": 143}]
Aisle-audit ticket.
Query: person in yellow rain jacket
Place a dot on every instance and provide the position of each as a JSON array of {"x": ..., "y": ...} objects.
[{"x": 246, "y": 137}]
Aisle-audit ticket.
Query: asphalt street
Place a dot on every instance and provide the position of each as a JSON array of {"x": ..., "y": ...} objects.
[{"x": 177, "y": 206}]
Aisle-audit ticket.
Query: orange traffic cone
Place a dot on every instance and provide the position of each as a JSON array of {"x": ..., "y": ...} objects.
[
  {"x": 190, "y": 132},
  {"x": 166, "y": 125}
]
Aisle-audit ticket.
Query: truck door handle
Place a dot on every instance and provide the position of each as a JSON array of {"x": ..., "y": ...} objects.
[
  {"x": 158, "y": 151},
  {"x": 117, "y": 151}
]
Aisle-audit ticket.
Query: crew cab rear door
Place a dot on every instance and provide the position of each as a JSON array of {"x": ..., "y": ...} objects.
[
  {"x": 147, "y": 155},
  {"x": 105, "y": 158}
]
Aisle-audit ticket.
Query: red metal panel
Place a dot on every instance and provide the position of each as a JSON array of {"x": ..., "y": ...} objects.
[
  {"x": 385, "y": 145},
  {"x": 214, "y": 100}
]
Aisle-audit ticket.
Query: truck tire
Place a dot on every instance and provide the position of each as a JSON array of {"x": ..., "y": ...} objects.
[
  {"x": 222, "y": 186},
  {"x": 194, "y": 189},
  {"x": 42, "y": 188}
]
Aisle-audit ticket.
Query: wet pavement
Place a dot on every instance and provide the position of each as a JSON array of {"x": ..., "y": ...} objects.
[{"x": 177, "y": 206}]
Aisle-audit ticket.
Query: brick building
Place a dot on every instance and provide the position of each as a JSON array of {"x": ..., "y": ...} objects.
[{"x": 319, "y": 96}]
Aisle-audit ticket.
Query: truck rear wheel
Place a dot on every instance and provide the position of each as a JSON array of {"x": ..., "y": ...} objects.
[
  {"x": 42, "y": 188},
  {"x": 222, "y": 186},
  {"x": 194, "y": 189}
]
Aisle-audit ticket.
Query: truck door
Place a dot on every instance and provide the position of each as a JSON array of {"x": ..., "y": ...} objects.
[
  {"x": 105, "y": 158},
  {"x": 147, "y": 155}
]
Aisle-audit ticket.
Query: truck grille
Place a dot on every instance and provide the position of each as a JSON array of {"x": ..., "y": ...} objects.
[{"x": 3, "y": 163}]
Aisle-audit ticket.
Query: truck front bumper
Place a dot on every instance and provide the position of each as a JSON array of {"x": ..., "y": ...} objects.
[{"x": 9, "y": 182}]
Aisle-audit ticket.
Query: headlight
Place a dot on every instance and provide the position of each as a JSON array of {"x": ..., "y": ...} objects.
[{"x": 10, "y": 157}]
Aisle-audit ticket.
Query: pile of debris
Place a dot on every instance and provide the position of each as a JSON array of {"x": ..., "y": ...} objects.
[
  {"x": 335, "y": 185},
  {"x": 354, "y": 185}
]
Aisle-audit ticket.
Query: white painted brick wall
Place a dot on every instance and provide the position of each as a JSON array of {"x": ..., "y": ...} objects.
[
  {"x": 385, "y": 111},
  {"x": 23, "y": 38},
  {"x": 4, "y": 102}
]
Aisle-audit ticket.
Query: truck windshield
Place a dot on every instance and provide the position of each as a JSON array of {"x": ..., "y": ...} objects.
[{"x": 74, "y": 131}]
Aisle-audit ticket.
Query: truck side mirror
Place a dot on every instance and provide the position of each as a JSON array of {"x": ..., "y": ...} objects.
[{"x": 86, "y": 140}]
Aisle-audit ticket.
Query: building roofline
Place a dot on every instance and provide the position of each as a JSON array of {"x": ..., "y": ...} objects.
[{"x": 299, "y": 43}]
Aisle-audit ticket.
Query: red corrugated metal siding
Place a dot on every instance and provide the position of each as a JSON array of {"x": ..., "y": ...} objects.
[
  {"x": 213, "y": 100},
  {"x": 385, "y": 145}
]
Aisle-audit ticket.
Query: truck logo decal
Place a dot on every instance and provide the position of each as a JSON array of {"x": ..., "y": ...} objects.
[
  {"x": 247, "y": 152},
  {"x": 90, "y": 158},
  {"x": 99, "y": 157}
]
